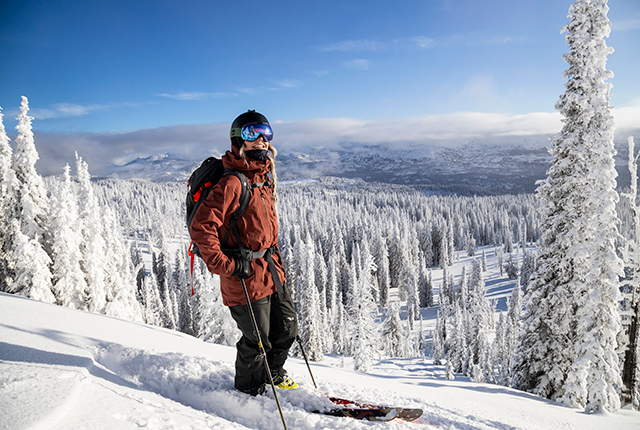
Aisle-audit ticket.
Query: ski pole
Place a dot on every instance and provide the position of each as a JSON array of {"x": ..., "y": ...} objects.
[
  {"x": 262, "y": 351},
  {"x": 304, "y": 354}
]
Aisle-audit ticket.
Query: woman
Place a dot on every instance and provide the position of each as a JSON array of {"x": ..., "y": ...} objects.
[{"x": 262, "y": 271}]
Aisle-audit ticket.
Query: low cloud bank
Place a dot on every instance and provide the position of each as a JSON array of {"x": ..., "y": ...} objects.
[{"x": 194, "y": 142}]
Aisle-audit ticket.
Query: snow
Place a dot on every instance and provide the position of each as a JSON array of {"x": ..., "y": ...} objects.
[{"x": 66, "y": 369}]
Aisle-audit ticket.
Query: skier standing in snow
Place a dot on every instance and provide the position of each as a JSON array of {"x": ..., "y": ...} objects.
[{"x": 262, "y": 272}]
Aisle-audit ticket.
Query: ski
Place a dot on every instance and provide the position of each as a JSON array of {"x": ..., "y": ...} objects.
[
  {"x": 370, "y": 414},
  {"x": 407, "y": 414}
]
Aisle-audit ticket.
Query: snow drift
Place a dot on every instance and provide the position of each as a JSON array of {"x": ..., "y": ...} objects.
[{"x": 66, "y": 369}]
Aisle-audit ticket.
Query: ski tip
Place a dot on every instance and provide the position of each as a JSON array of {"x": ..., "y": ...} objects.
[{"x": 410, "y": 414}]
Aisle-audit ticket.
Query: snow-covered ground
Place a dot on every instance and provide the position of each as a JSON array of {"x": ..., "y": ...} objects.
[{"x": 66, "y": 369}]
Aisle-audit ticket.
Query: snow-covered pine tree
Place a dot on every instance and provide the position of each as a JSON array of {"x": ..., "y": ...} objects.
[
  {"x": 436, "y": 239},
  {"x": 445, "y": 251},
  {"x": 8, "y": 185},
  {"x": 426, "y": 245},
  {"x": 447, "y": 292},
  {"x": 471, "y": 246},
  {"x": 93, "y": 247},
  {"x": 332, "y": 288},
  {"x": 32, "y": 195},
  {"x": 395, "y": 246},
  {"x": 338, "y": 327},
  {"x": 413, "y": 294},
  {"x": 463, "y": 289},
  {"x": 528, "y": 267},
  {"x": 393, "y": 337},
  {"x": 512, "y": 330},
  {"x": 630, "y": 371},
  {"x": 381, "y": 259},
  {"x": 361, "y": 310},
  {"x": 369, "y": 268},
  {"x": 212, "y": 320},
  {"x": 286, "y": 252},
  {"x": 139, "y": 270},
  {"x": 568, "y": 351},
  {"x": 522, "y": 234},
  {"x": 511, "y": 268},
  {"x": 32, "y": 278},
  {"x": 453, "y": 330},
  {"x": 425, "y": 284},
  {"x": 308, "y": 301},
  {"x": 480, "y": 316},
  {"x": 450, "y": 241},
  {"x": 69, "y": 283},
  {"x": 153, "y": 308},
  {"x": 120, "y": 278},
  {"x": 437, "y": 342},
  {"x": 30, "y": 266}
]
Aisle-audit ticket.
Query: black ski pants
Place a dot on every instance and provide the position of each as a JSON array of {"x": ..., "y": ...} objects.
[{"x": 278, "y": 325}]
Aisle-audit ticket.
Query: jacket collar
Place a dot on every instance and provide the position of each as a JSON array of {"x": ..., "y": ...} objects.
[{"x": 232, "y": 160}]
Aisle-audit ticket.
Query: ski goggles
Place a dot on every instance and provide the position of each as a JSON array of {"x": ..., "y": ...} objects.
[{"x": 252, "y": 132}]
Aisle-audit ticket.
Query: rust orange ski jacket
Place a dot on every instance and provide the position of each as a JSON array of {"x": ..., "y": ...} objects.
[{"x": 258, "y": 229}]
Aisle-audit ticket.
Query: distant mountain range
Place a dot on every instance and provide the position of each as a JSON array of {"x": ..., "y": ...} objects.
[{"x": 472, "y": 168}]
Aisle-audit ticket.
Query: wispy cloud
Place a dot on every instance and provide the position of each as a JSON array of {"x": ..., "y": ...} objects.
[
  {"x": 361, "y": 45},
  {"x": 238, "y": 91},
  {"x": 357, "y": 64},
  {"x": 626, "y": 24},
  {"x": 416, "y": 42},
  {"x": 60, "y": 110},
  {"x": 371, "y": 45},
  {"x": 195, "y": 95},
  {"x": 422, "y": 42},
  {"x": 287, "y": 83}
]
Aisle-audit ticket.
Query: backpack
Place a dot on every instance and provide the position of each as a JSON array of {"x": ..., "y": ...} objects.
[{"x": 199, "y": 185}]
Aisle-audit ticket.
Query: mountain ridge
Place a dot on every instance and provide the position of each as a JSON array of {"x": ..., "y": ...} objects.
[{"x": 467, "y": 168}]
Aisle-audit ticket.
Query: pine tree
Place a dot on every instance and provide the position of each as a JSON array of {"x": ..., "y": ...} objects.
[
  {"x": 480, "y": 315},
  {"x": 392, "y": 332},
  {"x": 568, "y": 351},
  {"x": 8, "y": 184},
  {"x": 512, "y": 329},
  {"x": 630, "y": 371},
  {"x": 438, "y": 352},
  {"x": 161, "y": 268},
  {"x": 471, "y": 246},
  {"x": 69, "y": 283},
  {"x": 307, "y": 301},
  {"x": 93, "y": 247},
  {"x": 212, "y": 320},
  {"x": 381, "y": 259},
  {"x": 120, "y": 278},
  {"x": 32, "y": 195},
  {"x": 30, "y": 260},
  {"x": 30, "y": 265},
  {"x": 361, "y": 309},
  {"x": 425, "y": 285},
  {"x": 152, "y": 308}
]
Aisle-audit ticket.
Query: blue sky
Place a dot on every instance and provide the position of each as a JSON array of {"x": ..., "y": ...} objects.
[{"x": 120, "y": 66}]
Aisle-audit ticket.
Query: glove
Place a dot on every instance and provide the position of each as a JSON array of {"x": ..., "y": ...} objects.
[{"x": 243, "y": 268}]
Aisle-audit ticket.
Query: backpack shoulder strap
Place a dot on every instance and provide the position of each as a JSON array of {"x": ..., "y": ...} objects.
[{"x": 245, "y": 195}]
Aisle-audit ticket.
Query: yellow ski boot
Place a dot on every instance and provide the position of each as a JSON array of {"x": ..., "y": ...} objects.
[{"x": 287, "y": 383}]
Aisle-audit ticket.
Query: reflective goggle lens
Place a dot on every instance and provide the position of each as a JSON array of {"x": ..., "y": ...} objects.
[{"x": 252, "y": 131}]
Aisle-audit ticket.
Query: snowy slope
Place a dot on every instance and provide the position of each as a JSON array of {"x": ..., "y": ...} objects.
[{"x": 66, "y": 369}]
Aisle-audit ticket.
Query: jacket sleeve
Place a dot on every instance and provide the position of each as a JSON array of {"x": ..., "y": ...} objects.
[{"x": 210, "y": 216}]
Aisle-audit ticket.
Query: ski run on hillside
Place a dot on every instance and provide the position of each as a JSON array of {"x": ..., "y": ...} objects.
[{"x": 66, "y": 369}]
